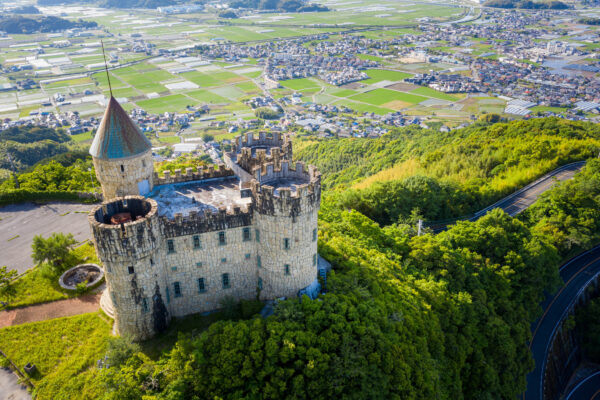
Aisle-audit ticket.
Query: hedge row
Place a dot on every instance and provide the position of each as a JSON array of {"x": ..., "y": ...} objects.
[{"x": 24, "y": 195}]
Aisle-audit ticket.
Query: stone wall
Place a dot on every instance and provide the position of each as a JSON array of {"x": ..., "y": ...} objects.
[
  {"x": 133, "y": 265},
  {"x": 190, "y": 175},
  {"x": 186, "y": 264},
  {"x": 120, "y": 177}
]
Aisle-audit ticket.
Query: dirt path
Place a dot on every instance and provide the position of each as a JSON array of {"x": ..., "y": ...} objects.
[{"x": 55, "y": 309}]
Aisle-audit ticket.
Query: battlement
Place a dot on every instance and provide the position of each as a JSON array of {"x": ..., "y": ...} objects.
[
  {"x": 207, "y": 221},
  {"x": 285, "y": 188},
  {"x": 201, "y": 173},
  {"x": 264, "y": 140},
  {"x": 125, "y": 226}
]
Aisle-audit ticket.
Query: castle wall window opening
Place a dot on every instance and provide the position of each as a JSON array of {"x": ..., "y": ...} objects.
[
  {"x": 131, "y": 270},
  {"x": 286, "y": 269},
  {"x": 246, "y": 234},
  {"x": 122, "y": 168},
  {"x": 314, "y": 238},
  {"x": 257, "y": 235},
  {"x": 201, "y": 285},
  {"x": 315, "y": 259},
  {"x": 197, "y": 244},
  {"x": 222, "y": 240},
  {"x": 177, "y": 289},
  {"x": 286, "y": 243},
  {"x": 145, "y": 305},
  {"x": 225, "y": 281},
  {"x": 170, "y": 246}
]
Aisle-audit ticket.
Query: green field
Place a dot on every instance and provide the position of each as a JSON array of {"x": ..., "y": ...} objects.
[
  {"x": 207, "y": 97},
  {"x": 379, "y": 97},
  {"x": 378, "y": 75},
  {"x": 429, "y": 92},
  {"x": 173, "y": 103},
  {"x": 300, "y": 84}
]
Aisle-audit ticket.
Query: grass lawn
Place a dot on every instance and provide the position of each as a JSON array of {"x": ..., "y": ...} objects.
[
  {"x": 378, "y": 75},
  {"x": 40, "y": 285},
  {"x": 169, "y": 139},
  {"x": 205, "y": 96},
  {"x": 82, "y": 137},
  {"x": 362, "y": 107},
  {"x": 173, "y": 103},
  {"x": 429, "y": 92},
  {"x": 379, "y": 97},
  {"x": 203, "y": 80},
  {"x": 64, "y": 350},
  {"x": 299, "y": 84}
]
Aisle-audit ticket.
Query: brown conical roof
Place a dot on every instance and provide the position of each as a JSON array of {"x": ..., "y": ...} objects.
[{"x": 118, "y": 136}]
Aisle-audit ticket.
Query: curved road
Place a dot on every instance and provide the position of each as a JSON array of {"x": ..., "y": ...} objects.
[
  {"x": 517, "y": 202},
  {"x": 576, "y": 273},
  {"x": 586, "y": 389}
]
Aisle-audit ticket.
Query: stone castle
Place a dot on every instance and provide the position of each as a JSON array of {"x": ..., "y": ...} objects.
[{"x": 181, "y": 243}]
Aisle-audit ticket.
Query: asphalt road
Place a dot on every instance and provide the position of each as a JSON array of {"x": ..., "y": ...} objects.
[
  {"x": 517, "y": 202},
  {"x": 19, "y": 223},
  {"x": 576, "y": 274},
  {"x": 588, "y": 389}
]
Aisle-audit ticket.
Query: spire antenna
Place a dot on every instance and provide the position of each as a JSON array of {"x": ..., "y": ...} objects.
[{"x": 106, "y": 68}]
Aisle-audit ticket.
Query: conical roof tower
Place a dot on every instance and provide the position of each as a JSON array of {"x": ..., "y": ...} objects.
[
  {"x": 122, "y": 155},
  {"x": 118, "y": 136}
]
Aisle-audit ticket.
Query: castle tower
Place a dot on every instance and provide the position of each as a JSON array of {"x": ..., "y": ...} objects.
[
  {"x": 286, "y": 203},
  {"x": 122, "y": 155},
  {"x": 127, "y": 236}
]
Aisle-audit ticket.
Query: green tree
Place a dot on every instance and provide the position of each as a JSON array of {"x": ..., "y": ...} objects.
[
  {"x": 54, "y": 249},
  {"x": 7, "y": 277}
]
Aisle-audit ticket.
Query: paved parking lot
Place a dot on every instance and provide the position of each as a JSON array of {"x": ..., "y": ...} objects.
[{"x": 19, "y": 223}]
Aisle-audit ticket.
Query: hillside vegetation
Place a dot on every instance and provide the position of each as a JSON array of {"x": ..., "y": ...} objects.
[{"x": 438, "y": 175}]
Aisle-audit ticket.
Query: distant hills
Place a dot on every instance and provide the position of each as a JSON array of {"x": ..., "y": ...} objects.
[
  {"x": 527, "y": 4},
  {"x": 114, "y": 3},
  {"x": 18, "y": 24}
]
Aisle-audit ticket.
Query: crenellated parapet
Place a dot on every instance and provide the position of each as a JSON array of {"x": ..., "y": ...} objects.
[
  {"x": 264, "y": 140},
  {"x": 286, "y": 189},
  {"x": 207, "y": 221},
  {"x": 192, "y": 174},
  {"x": 136, "y": 238}
]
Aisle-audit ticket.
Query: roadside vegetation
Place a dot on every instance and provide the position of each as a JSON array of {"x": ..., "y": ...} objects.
[{"x": 53, "y": 256}]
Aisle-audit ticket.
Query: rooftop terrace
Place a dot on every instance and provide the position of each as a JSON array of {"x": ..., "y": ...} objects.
[{"x": 198, "y": 196}]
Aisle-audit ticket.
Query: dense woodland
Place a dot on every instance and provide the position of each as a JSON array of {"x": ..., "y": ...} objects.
[
  {"x": 18, "y": 24},
  {"x": 443, "y": 316}
]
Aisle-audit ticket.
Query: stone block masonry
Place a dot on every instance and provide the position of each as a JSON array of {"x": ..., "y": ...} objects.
[{"x": 158, "y": 267}]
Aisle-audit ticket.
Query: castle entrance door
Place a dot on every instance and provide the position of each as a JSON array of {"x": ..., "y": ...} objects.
[{"x": 144, "y": 187}]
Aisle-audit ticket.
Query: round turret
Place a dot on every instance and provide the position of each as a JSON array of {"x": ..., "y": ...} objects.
[
  {"x": 286, "y": 203},
  {"x": 122, "y": 155},
  {"x": 127, "y": 237}
]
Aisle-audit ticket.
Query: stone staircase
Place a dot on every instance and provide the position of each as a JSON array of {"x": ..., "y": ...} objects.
[{"x": 106, "y": 304}]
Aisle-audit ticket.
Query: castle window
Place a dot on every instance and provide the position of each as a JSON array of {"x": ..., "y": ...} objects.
[
  {"x": 247, "y": 256},
  {"x": 170, "y": 246},
  {"x": 225, "y": 281},
  {"x": 246, "y": 234},
  {"x": 177, "y": 289},
  {"x": 315, "y": 259},
  {"x": 258, "y": 261},
  {"x": 144, "y": 163},
  {"x": 286, "y": 243},
  {"x": 222, "y": 238},
  {"x": 131, "y": 270},
  {"x": 286, "y": 269},
  {"x": 259, "y": 284},
  {"x": 173, "y": 269},
  {"x": 201, "y": 285},
  {"x": 257, "y": 235},
  {"x": 145, "y": 305},
  {"x": 168, "y": 295},
  {"x": 223, "y": 260},
  {"x": 199, "y": 264},
  {"x": 122, "y": 168},
  {"x": 196, "y": 239},
  {"x": 315, "y": 235},
  {"x": 151, "y": 262}
]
